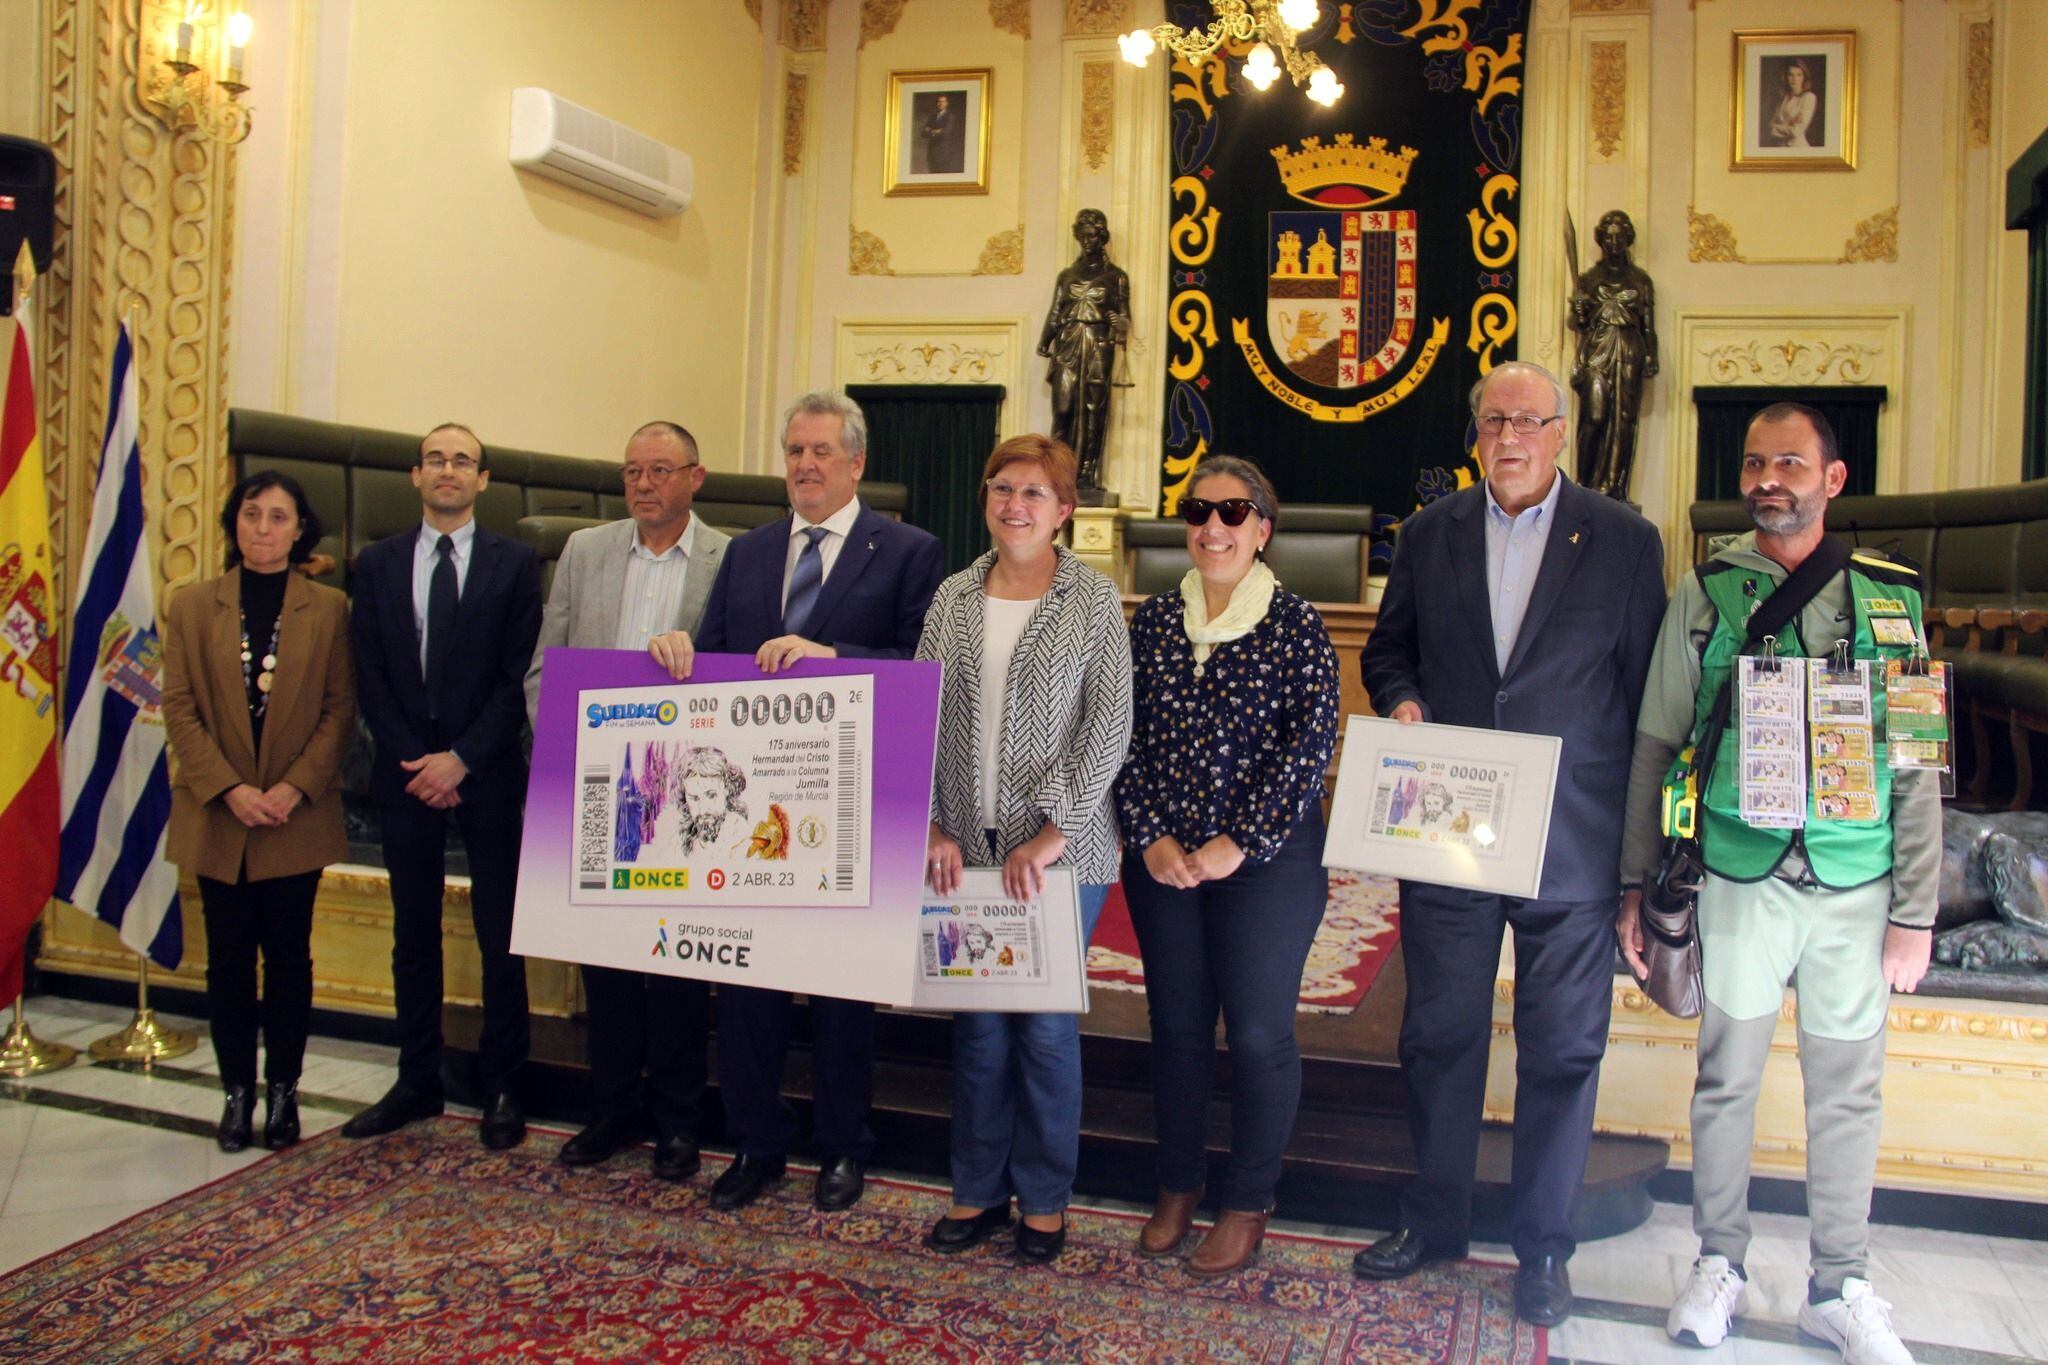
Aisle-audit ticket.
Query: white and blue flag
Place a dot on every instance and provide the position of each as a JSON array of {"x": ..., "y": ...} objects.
[{"x": 116, "y": 778}]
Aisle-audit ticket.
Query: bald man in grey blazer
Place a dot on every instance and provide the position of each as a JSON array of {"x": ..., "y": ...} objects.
[{"x": 616, "y": 587}]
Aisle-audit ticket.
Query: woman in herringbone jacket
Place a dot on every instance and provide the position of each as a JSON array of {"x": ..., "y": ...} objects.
[{"x": 1034, "y": 718}]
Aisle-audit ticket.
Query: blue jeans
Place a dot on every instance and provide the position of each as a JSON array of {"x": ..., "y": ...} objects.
[
  {"x": 1017, "y": 1101},
  {"x": 1239, "y": 945}
]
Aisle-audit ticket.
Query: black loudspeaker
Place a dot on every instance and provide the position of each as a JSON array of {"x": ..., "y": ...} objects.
[{"x": 28, "y": 195}]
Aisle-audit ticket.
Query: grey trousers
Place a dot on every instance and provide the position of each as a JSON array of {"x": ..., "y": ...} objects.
[{"x": 1844, "y": 1112}]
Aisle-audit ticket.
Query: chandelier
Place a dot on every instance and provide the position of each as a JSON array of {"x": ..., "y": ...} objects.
[{"x": 1270, "y": 25}]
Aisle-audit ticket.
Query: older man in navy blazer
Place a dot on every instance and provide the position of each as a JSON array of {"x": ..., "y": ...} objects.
[
  {"x": 1527, "y": 603},
  {"x": 832, "y": 580},
  {"x": 444, "y": 622}
]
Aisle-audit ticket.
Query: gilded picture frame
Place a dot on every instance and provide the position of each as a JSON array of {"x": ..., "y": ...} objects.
[
  {"x": 1793, "y": 104},
  {"x": 936, "y": 132}
]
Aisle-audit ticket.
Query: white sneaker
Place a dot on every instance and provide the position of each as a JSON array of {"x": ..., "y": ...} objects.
[
  {"x": 1858, "y": 1323},
  {"x": 1713, "y": 1294}
]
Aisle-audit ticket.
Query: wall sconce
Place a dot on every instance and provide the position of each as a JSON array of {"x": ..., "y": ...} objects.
[{"x": 192, "y": 61}]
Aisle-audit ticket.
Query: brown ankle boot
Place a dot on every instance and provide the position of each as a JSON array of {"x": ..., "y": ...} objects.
[
  {"x": 1168, "y": 1226},
  {"x": 1230, "y": 1244}
]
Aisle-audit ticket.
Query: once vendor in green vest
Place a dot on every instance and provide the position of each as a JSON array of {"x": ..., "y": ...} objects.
[{"x": 1841, "y": 908}]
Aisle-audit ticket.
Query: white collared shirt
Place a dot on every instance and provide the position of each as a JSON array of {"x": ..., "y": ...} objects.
[
  {"x": 838, "y": 527},
  {"x": 651, "y": 601},
  {"x": 425, "y": 554}
]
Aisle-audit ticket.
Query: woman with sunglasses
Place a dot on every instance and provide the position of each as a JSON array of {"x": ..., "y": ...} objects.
[
  {"x": 1220, "y": 802},
  {"x": 1034, "y": 718},
  {"x": 259, "y": 706}
]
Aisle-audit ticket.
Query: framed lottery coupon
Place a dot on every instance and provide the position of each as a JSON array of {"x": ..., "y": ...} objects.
[
  {"x": 1445, "y": 804},
  {"x": 978, "y": 949}
]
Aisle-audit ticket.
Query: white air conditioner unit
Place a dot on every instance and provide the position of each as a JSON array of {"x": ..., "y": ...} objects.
[{"x": 566, "y": 142}]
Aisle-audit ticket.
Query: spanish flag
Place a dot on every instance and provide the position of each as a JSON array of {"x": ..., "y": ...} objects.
[{"x": 28, "y": 673}]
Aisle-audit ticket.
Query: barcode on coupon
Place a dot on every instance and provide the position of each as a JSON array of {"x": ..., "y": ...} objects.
[
  {"x": 1037, "y": 950},
  {"x": 594, "y": 830},
  {"x": 850, "y": 832}
]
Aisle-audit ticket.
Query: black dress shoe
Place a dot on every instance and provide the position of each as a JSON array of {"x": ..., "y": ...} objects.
[
  {"x": 1543, "y": 1292},
  {"x": 675, "y": 1158},
  {"x": 840, "y": 1182},
  {"x": 281, "y": 1115},
  {"x": 233, "y": 1135},
  {"x": 1041, "y": 1248},
  {"x": 1397, "y": 1256},
  {"x": 741, "y": 1183},
  {"x": 504, "y": 1123},
  {"x": 401, "y": 1105},
  {"x": 958, "y": 1234},
  {"x": 601, "y": 1140}
]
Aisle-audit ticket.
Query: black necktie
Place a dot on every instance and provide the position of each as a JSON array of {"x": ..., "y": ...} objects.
[{"x": 440, "y": 621}]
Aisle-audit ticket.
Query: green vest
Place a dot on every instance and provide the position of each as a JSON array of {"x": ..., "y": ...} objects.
[{"x": 1841, "y": 853}]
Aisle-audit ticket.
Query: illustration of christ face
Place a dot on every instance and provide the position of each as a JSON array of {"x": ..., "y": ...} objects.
[
  {"x": 978, "y": 941},
  {"x": 704, "y": 806},
  {"x": 1436, "y": 802}
]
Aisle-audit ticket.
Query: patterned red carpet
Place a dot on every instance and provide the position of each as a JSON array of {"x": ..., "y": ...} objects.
[
  {"x": 423, "y": 1246},
  {"x": 1360, "y": 927}
]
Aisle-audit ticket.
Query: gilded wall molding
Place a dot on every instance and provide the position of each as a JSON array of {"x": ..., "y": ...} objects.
[
  {"x": 928, "y": 362},
  {"x": 1003, "y": 254},
  {"x": 1876, "y": 238},
  {"x": 1708, "y": 238},
  {"x": 1607, "y": 96},
  {"x": 1011, "y": 16},
  {"x": 803, "y": 25},
  {"x": 878, "y": 18},
  {"x": 1098, "y": 18},
  {"x": 796, "y": 90},
  {"x": 867, "y": 254},
  {"x": 56, "y": 301},
  {"x": 1098, "y": 112},
  {"x": 753, "y": 11},
  {"x": 1977, "y": 66},
  {"x": 1610, "y": 6},
  {"x": 1923, "y": 1020},
  {"x": 1791, "y": 362}
]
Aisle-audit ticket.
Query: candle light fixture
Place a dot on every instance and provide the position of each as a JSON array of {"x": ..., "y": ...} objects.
[
  {"x": 1270, "y": 26},
  {"x": 193, "y": 65}
]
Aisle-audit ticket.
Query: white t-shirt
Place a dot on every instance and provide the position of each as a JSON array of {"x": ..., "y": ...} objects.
[{"x": 1003, "y": 623}]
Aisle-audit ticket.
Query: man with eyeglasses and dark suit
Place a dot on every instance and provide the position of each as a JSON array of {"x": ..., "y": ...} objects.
[
  {"x": 617, "y": 587},
  {"x": 444, "y": 619},
  {"x": 1526, "y": 603}
]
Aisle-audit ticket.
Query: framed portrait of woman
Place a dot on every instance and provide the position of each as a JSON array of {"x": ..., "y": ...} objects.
[
  {"x": 1794, "y": 100},
  {"x": 935, "y": 133}
]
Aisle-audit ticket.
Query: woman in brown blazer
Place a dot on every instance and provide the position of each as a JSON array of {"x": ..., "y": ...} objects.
[{"x": 259, "y": 703}]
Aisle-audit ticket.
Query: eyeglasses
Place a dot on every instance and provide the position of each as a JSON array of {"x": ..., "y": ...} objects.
[
  {"x": 1195, "y": 511},
  {"x": 655, "y": 474},
  {"x": 1525, "y": 424},
  {"x": 461, "y": 464},
  {"x": 1032, "y": 495}
]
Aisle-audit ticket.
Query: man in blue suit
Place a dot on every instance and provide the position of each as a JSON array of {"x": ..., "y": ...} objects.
[
  {"x": 444, "y": 619},
  {"x": 834, "y": 580},
  {"x": 1531, "y": 604}
]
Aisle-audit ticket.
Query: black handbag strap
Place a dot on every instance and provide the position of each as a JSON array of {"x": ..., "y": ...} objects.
[{"x": 1800, "y": 587}]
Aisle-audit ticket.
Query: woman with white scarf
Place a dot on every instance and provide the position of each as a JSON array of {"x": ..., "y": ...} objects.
[{"x": 1235, "y": 714}]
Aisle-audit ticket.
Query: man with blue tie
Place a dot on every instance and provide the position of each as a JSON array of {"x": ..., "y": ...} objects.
[
  {"x": 835, "y": 579},
  {"x": 443, "y": 624},
  {"x": 1525, "y": 603}
]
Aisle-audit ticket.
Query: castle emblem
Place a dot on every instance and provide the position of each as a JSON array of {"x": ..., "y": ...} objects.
[{"x": 1340, "y": 287}]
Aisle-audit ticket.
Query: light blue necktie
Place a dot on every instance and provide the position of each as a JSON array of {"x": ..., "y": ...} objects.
[{"x": 804, "y": 582}]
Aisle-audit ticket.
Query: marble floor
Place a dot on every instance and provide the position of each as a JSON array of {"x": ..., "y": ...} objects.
[{"x": 83, "y": 1148}]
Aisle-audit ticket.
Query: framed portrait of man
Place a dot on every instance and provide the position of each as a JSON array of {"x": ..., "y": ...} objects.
[
  {"x": 935, "y": 137},
  {"x": 1794, "y": 100}
]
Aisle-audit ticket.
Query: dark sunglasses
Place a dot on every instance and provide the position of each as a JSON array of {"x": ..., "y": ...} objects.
[{"x": 1195, "y": 511}]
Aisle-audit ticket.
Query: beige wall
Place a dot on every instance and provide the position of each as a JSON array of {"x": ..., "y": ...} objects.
[
  {"x": 2022, "y": 104},
  {"x": 422, "y": 278}
]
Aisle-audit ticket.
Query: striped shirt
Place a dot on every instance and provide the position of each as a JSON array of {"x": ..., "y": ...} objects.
[{"x": 653, "y": 595}]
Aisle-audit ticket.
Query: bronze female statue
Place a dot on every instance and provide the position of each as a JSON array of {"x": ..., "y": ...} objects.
[
  {"x": 1613, "y": 311},
  {"x": 1090, "y": 319}
]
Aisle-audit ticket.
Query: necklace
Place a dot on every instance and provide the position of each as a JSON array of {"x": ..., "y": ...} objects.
[{"x": 265, "y": 678}]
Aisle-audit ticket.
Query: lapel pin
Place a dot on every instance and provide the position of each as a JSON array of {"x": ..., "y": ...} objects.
[
  {"x": 1575, "y": 537},
  {"x": 871, "y": 545}
]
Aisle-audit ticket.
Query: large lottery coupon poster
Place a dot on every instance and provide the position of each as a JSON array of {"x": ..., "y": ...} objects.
[{"x": 767, "y": 830}]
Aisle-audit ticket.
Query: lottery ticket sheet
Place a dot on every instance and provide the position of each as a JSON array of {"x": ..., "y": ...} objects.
[
  {"x": 1844, "y": 771},
  {"x": 724, "y": 794},
  {"x": 981, "y": 949},
  {"x": 1771, "y": 747}
]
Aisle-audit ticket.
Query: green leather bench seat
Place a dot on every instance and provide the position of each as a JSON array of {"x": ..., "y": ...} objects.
[
  {"x": 359, "y": 480},
  {"x": 1317, "y": 551}
]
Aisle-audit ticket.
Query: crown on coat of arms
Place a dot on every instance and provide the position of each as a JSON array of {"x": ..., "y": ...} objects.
[{"x": 1344, "y": 162}]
